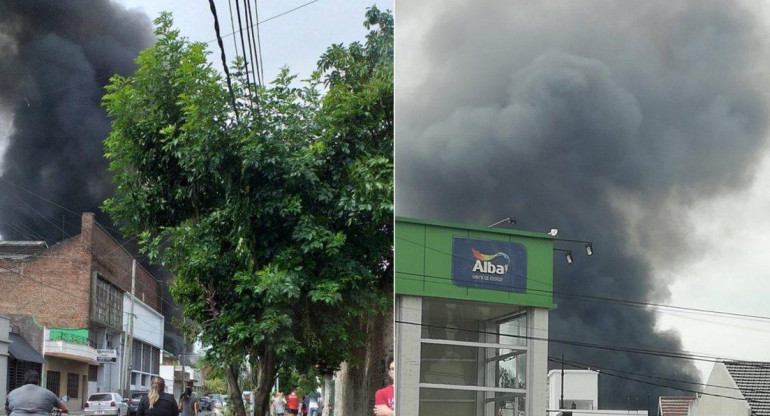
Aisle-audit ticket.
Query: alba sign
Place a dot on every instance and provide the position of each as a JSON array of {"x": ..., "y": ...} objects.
[{"x": 489, "y": 264}]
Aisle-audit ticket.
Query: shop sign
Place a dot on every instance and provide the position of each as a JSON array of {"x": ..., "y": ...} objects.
[
  {"x": 489, "y": 264},
  {"x": 107, "y": 356}
]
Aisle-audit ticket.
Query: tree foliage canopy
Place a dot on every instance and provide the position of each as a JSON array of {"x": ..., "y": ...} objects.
[{"x": 277, "y": 223}]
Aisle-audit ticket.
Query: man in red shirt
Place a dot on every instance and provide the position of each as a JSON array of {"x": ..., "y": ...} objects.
[
  {"x": 384, "y": 399},
  {"x": 292, "y": 403}
]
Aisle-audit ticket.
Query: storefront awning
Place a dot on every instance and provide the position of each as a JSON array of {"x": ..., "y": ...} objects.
[{"x": 22, "y": 351}]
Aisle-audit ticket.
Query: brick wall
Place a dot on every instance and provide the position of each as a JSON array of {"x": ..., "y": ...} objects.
[
  {"x": 53, "y": 285},
  {"x": 114, "y": 263}
]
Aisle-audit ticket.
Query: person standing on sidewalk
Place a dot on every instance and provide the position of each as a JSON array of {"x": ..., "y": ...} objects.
[
  {"x": 157, "y": 402},
  {"x": 384, "y": 399},
  {"x": 188, "y": 404},
  {"x": 279, "y": 404},
  {"x": 293, "y": 403}
]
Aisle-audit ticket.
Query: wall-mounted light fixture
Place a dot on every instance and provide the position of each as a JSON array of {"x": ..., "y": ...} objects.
[
  {"x": 509, "y": 220},
  {"x": 589, "y": 246},
  {"x": 567, "y": 255}
]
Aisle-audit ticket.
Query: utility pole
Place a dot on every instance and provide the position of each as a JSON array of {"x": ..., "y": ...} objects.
[
  {"x": 130, "y": 342},
  {"x": 561, "y": 400}
]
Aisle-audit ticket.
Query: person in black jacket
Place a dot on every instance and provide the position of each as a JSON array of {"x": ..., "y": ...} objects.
[{"x": 158, "y": 402}]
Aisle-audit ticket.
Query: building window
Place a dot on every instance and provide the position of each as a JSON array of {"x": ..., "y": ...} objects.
[
  {"x": 73, "y": 385},
  {"x": 109, "y": 303},
  {"x": 93, "y": 372},
  {"x": 52, "y": 381},
  {"x": 146, "y": 361},
  {"x": 16, "y": 371},
  {"x": 473, "y": 359}
]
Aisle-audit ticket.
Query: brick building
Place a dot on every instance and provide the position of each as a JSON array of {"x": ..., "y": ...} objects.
[{"x": 69, "y": 302}]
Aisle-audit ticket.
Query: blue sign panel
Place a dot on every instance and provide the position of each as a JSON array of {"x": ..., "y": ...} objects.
[{"x": 489, "y": 264}]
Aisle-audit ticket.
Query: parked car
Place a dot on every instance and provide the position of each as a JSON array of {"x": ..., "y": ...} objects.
[
  {"x": 217, "y": 402},
  {"x": 205, "y": 403},
  {"x": 133, "y": 402},
  {"x": 106, "y": 404}
]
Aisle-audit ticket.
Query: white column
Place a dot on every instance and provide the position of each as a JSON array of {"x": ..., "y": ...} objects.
[
  {"x": 408, "y": 310},
  {"x": 537, "y": 363},
  {"x": 4, "y": 344}
]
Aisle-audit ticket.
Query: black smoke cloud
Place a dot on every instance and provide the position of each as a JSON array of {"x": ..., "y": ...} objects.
[
  {"x": 57, "y": 56},
  {"x": 603, "y": 119}
]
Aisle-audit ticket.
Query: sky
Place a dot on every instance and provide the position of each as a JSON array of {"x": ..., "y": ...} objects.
[
  {"x": 295, "y": 39},
  {"x": 643, "y": 129}
]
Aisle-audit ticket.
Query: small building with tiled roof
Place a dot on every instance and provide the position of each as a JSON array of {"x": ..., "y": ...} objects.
[
  {"x": 735, "y": 388},
  {"x": 674, "y": 405}
]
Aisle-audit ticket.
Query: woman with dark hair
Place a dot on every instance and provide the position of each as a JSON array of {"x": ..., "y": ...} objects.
[
  {"x": 31, "y": 399},
  {"x": 157, "y": 402}
]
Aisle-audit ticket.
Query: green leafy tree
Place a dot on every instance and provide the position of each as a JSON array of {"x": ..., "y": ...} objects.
[
  {"x": 215, "y": 385},
  {"x": 276, "y": 219}
]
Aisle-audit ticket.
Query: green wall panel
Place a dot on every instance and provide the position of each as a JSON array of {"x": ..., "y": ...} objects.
[{"x": 423, "y": 262}]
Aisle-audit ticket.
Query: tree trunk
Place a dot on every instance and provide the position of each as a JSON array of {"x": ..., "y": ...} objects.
[
  {"x": 265, "y": 379},
  {"x": 356, "y": 385},
  {"x": 327, "y": 394},
  {"x": 236, "y": 401}
]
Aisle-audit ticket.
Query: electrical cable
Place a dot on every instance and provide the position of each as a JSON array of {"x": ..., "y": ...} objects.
[
  {"x": 243, "y": 45},
  {"x": 260, "y": 65},
  {"x": 272, "y": 17},
  {"x": 232, "y": 26},
  {"x": 681, "y": 388},
  {"x": 35, "y": 211},
  {"x": 579, "y": 296},
  {"x": 603, "y": 347},
  {"x": 224, "y": 60},
  {"x": 251, "y": 42}
]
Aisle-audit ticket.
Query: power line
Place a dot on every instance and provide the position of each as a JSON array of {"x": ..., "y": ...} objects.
[
  {"x": 270, "y": 18},
  {"x": 224, "y": 59},
  {"x": 252, "y": 42},
  {"x": 642, "y": 351},
  {"x": 576, "y": 296},
  {"x": 260, "y": 66},
  {"x": 563, "y": 295},
  {"x": 243, "y": 44},
  {"x": 679, "y": 388}
]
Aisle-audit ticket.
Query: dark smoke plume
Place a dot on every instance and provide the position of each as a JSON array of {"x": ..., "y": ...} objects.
[
  {"x": 603, "y": 119},
  {"x": 55, "y": 59}
]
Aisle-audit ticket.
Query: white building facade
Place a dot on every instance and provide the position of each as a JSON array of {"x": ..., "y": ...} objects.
[
  {"x": 143, "y": 341},
  {"x": 581, "y": 389}
]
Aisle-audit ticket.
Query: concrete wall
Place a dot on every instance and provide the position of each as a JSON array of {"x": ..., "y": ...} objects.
[
  {"x": 710, "y": 405},
  {"x": 537, "y": 362},
  {"x": 66, "y": 367},
  {"x": 148, "y": 323},
  {"x": 408, "y": 309}
]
